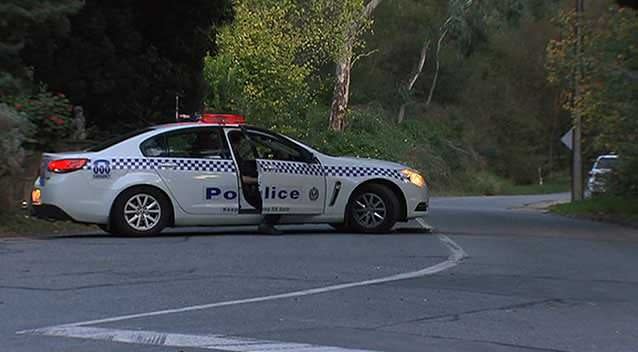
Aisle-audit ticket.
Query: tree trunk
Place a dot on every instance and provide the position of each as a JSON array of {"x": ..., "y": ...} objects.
[
  {"x": 341, "y": 95},
  {"x": 415, "y": 76},
  {"x": 445, "y": 29},
  {"x": 438, "y": 64},
  {"x": 401, "y": 115}
]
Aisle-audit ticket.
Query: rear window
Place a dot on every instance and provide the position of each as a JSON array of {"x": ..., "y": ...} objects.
[
  {"x": 607, "y": 163},
  {"x": 200, "y": 143},
  {"x": 116, "y": 140}
]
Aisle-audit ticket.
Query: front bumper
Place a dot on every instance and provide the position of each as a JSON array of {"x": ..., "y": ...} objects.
[
  {"x": 421, "y": 207},
  {"x": 417, "y": 201}
]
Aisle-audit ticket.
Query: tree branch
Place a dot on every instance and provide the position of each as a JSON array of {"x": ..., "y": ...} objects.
[
  {"x": 445, "y": 29},
  {"x": 419, "y": 67},
  {"x": 370, "y": 7},
  {"x": 438, "y": 66},
  {"x": 361, "y": 56}
]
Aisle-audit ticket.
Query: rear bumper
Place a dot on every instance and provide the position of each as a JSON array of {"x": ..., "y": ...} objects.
[{"x": 49, "y": 212}]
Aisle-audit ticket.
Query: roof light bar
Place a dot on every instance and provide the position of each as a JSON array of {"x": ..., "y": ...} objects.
[{"x": 223, "y": 119}]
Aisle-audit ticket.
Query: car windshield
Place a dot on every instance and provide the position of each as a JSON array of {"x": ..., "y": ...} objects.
[
  {"x": 116, "y": 140},
  {"x": 607, "y": 163}
]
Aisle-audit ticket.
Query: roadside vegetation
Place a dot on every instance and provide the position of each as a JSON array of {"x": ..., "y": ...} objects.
[
  {"x": 608, "y": 208},
  {"x": 18, "y": 223},
  {"x": 443, "y": 86}
]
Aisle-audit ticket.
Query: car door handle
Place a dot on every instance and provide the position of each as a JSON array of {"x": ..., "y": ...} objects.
[
  {"x": 167, "y": 165},
  {"x": 267, "y": 168}
]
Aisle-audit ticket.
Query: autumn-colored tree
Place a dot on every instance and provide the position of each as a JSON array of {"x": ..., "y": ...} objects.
[{"x": 607, "y": 73}]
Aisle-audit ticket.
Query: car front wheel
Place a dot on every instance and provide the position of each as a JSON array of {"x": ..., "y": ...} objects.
[
  {"x": 373, "y": 208},
  {"x": 142, "y": 211}
]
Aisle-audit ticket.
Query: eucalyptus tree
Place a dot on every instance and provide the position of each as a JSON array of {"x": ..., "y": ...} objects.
[
  {"x": 274, "y": 49},
  {"x": 352, "y": 23},
  {"x": 463, "y": 24}
]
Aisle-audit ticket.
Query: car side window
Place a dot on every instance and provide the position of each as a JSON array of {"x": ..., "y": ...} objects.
[
  {"x": 199, "y": 143},
  {"x": 241, "y": 146},
  {"x": 271, "y": 148}
]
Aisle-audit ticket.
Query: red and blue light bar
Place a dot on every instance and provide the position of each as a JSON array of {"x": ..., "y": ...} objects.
[{"x": 218, "y": 119}]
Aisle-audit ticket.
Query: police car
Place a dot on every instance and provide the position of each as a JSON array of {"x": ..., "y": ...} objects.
[{"x": 218, "y": 171}]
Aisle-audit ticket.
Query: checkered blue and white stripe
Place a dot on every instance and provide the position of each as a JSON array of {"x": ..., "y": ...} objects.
[
  {"x": 211, "y": 165},
  {"x": 291, "y": 167},
  {"x": 275, "y": 166},
  {"x": 297, "y": 168},
  {"x": 363, "y": 171}
]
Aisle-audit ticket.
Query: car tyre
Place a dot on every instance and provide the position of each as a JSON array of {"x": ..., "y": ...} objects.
[
  {"x": 373, "y": 208},
  {"x": 140, "y": 211}
]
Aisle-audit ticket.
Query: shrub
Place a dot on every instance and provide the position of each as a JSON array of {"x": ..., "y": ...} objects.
[
  {"x": 422, "y": 144},
  {"x": 485, "y": 183},
  {"x": 15, "y": 128},
  {"x": 49, "y": 113}
]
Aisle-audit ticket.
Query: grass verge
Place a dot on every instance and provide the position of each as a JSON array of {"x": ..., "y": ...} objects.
[
  {"x": 17, "y": 224},
  {"x": 609, "y": 208}
]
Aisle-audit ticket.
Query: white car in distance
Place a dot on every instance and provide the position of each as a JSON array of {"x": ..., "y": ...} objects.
[{"x": 600, "y": 174}]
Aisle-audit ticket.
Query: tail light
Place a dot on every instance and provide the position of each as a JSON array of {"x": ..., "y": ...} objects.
[
  {"x": 63, "y": 166},
  {"x": 36, "y": 196}
]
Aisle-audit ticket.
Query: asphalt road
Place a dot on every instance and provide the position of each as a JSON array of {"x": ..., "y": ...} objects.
[{"x": 494, "y": 275}]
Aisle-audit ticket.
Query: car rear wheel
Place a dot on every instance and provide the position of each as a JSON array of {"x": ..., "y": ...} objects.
[
  {"x": 142, "y": 211},
  {"x": 373, "y": 208}
]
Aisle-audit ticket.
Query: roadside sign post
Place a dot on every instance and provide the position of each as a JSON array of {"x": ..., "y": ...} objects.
[
  {"x": 577, "y": 155},
  {"x": 568, "y": 139},
  {"x": 571, "y": 141}
]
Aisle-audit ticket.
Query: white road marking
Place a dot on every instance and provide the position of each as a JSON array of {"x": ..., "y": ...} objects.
[
  {"x": 425, "y": 225},
  {"x": 211, "y": 342},
  {"x": 456, "y": 256},
  {"x": 229, "y": 343}
]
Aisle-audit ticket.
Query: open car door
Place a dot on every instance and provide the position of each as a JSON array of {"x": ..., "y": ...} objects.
[{"x": 291, "y": 180}]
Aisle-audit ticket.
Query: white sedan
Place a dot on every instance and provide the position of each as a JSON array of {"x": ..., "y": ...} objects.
[
  {"x": 600, "y": 175},
  {"x": 218, "y": 171}
]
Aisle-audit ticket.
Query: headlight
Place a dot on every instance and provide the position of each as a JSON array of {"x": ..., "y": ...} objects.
[{"x": 414, "y": 176}]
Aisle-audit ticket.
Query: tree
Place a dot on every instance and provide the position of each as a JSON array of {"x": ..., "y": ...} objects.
[
  {"x": 20, "y": 20},
  {"x": 125, "y": 61},
  {"x": 609, "y": 83},
  {"x": 258, "y": 71},
  {"x": 351, "y": 34},
  {"x": 274, "y": 50},
  {"x": 456, "y": 20}
]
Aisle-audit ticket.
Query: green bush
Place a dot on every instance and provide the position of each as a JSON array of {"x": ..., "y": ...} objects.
[
  {"x": 15, "y": 128},
  {"x": 625, "y": 181},
  {"x": 49, "y": 113},
  {"x": 485, "y": 183},
  {"x": 422, "y": 144}
]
